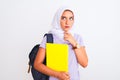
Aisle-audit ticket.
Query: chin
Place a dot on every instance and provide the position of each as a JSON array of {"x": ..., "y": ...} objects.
[{"x": 66, "y": 30}]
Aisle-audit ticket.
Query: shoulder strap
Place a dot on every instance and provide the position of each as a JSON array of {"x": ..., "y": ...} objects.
[{"x": 49, "y": 38}]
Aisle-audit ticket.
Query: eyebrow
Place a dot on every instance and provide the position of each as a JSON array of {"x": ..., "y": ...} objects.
[
  {"x": 65, "y": 16},
  {"x": 62, "y": 16}
]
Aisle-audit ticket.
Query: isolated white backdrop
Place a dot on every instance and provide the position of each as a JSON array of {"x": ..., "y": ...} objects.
[{"x": 23, "y": 23}]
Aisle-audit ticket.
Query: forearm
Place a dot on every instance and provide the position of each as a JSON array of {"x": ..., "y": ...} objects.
[
  {"x": 80, "y": 53},
  {"x": 81, "y": 56},
  {"x": 44, "y": 69}
]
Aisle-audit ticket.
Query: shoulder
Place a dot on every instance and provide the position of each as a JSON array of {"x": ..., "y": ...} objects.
[
  {"x": 79, "y": 39},
  {"x": 77, "y": 36}
]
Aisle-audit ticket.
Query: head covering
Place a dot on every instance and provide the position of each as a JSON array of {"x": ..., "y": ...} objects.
[{"x": 56, "y": 27}]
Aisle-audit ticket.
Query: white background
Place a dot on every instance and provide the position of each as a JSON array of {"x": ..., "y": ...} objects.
[{"x": 23, "y": 23}]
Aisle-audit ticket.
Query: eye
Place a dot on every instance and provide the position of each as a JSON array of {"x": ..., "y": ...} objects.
[
  {"x": 71, "y": 18},
  {"x": 63, "y": 18}
]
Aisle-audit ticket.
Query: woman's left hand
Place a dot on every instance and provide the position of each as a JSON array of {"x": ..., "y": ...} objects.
[{"x": 70, "y": 38}]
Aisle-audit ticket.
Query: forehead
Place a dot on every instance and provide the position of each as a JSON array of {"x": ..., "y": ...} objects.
[{"x": 67, "y": 12}]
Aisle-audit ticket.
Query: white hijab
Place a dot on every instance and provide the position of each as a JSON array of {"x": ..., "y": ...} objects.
[{"x": 56, "y": 28}]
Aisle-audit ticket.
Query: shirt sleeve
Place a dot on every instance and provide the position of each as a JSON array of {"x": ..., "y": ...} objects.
[
  {"x": 80, "y": 40},
  {"x": 43, "y": 43}
]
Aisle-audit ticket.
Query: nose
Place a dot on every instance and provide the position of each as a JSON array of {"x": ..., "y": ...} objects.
[{"x": 67, "y": 22}]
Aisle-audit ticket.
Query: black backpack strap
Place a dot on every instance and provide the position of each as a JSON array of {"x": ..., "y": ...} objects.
[{"x": 49, "y": 38}]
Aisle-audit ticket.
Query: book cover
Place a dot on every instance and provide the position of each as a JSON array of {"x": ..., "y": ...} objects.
[{"x": 57, "y": 56}]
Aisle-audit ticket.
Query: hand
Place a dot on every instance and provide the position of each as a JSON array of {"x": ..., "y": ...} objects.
[
  {"x": 70, "y": 38},
  {"x": 63, "y": 76}
]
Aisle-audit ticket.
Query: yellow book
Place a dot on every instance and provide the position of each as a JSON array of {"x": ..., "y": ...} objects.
[{"x": 57, "y": 56}]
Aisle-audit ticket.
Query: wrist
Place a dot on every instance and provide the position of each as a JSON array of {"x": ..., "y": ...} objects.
[
  {"x": 76, "y": 46},
  {"x": 57, "y": 74}
]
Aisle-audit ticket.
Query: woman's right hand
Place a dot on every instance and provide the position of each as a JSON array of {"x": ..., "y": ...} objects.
[{"x": 63, "y": 76}]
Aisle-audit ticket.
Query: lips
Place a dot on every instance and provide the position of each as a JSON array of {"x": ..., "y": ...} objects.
[{"x": 67, "y": 26}]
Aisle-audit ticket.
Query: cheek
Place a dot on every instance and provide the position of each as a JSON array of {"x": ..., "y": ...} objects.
[
  {"x": 71, "y": 24},
  {"x": 62, "y": 24}
]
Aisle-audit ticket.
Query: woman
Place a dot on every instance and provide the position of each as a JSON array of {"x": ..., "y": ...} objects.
[{"x": 64, "y": 24}]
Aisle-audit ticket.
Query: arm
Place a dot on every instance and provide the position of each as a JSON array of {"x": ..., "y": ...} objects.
[
  {"x": 38, "y": 64},
  {"x": 81, "y": 56},
  {"x": 79, "y": 52}
]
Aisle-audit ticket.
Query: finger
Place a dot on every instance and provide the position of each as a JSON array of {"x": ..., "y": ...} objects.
[
  {"x": 67, "y": 74},
  {"x": 65, "y": 35}
]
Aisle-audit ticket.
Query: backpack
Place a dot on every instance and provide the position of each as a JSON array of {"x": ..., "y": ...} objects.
[{"x": 36, "y": 74}]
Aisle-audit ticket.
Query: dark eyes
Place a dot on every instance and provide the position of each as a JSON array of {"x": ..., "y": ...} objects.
[
  {"x": 64, "y": 18},
  {"x": 71, "y": 18}
]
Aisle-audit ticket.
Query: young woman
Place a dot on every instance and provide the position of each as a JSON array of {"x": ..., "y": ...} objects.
[{"x": 64, "y": 25}]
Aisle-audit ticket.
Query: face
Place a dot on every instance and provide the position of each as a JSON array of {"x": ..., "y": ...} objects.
[{"x": 67, "y": 20}]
